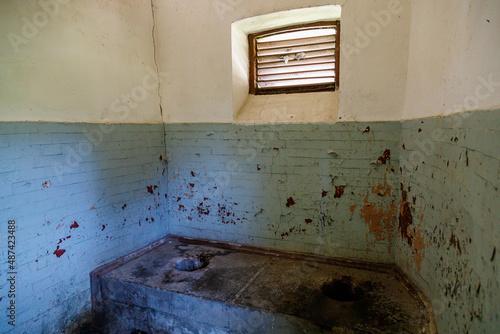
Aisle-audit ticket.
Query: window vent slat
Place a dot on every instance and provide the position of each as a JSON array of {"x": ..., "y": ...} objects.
[
  {"x": 296, "y": 69},
  {"x": 301, "y": 75},
  {"x": 291, "y": 56},
  {"x": 318, "y": 60},
  {"x": 298, "y": 82},
  {"x": 296, "y": 49},
  {"x": 295, "y": 42}
]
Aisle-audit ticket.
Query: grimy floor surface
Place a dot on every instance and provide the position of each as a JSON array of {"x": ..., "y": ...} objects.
[{"x": 246, "y": 290}]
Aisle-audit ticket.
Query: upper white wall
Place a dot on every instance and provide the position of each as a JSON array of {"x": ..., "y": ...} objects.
[
  {"x": 194, "y": 49},
  {"x": 373, "y": 59},
  {"x": 77, "y": 61},
  {"x": 453, "y": 62}
]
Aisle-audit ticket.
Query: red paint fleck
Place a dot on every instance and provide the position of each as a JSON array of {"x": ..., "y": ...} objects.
[
  {"x": 152, "y": 219},
  {"x": 191, "y": 185},
  {"x": 178, "y": 199},
  {"x": 161, "y": 157},
  {"x": 147, "y": 218},
  {"x": 289, "y": 202},
  {"x": 367, "y": 129},
  {"x": 124, "y": 206},
  {"x": 276, "y": 149},
  {"x": 258, "y": 167},
  {"x": 404, "y": 147},
  {"x": 192, "y": 173},
  {"x": 324, "y": 193},
  {"x": 339, "y": 190},
  {"x": 36, "y": 262},
  {"x": 352, "y": 208},
  {"x": 46, "y": 184},
  {"x": 181, "y": 207},
  {"x": 74, "y": 225},
  {"x": 384, "y": 157},
  {"x": 155, "y": 187},
  {"x": 93, "y": 207},
  {"x": 59, "y": 252},
  {"x": 419, "y": 130},
  {"x": 308, "y": 221},
  {"x": 103, "y": 227},
  {"x": 150, "y": 189}
]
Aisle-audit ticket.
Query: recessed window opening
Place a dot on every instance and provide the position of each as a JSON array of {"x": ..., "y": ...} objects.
[{"x": 302, "y": 58}]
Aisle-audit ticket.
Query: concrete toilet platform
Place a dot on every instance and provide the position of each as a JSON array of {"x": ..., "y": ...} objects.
[{"x": 180, "y": 285}]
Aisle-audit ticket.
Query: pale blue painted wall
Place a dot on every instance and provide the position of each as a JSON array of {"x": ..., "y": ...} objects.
[
  {"x": 237, "y": 183},
  {"x": 451, "y": 173},
  {"x": 98, "y": 178}
]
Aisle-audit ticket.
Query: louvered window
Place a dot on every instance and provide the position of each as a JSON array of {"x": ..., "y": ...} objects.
[{"x": 295, "y": 59}]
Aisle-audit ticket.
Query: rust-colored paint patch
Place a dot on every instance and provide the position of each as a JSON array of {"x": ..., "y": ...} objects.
[
  {"x": 352, "y": 208},
  {"x": 382, "y": 189},
  {"x": 308, "y": 221},
  {"x": 93, "y": 207},
  {"x": 379, "y": 220},
  {"x": 324, "y": 193},
  {"x": 384, "y": 157},
  {"x": 339, "y": 191},
  {"x": 408, "y": 231},
  {"x": 290, "y": 202},
  {"x": 74, "y": 225}
]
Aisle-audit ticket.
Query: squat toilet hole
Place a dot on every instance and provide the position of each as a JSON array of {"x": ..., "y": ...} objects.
[{"x": 342, "y": 290}]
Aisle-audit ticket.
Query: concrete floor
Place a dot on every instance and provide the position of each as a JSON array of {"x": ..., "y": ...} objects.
[{"x": 243, "y": 290}]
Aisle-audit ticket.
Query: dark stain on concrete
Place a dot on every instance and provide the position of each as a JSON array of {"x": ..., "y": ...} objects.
[
  {"x": 141, "y": 272},
  {"x": 290, "y": 202},
  {"x": 339, "y": 190}
]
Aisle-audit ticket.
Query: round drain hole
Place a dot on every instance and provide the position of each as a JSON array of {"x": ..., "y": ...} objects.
[
  {"x": 192, "y": 263},
  {"x": 342, "y": 290}
]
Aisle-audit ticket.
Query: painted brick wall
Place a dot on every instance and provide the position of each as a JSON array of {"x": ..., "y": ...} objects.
[
  {"x": 322, "y": 188},
  {"x": 81, "y": 195},
  {"x": 449, "y": 232}
]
